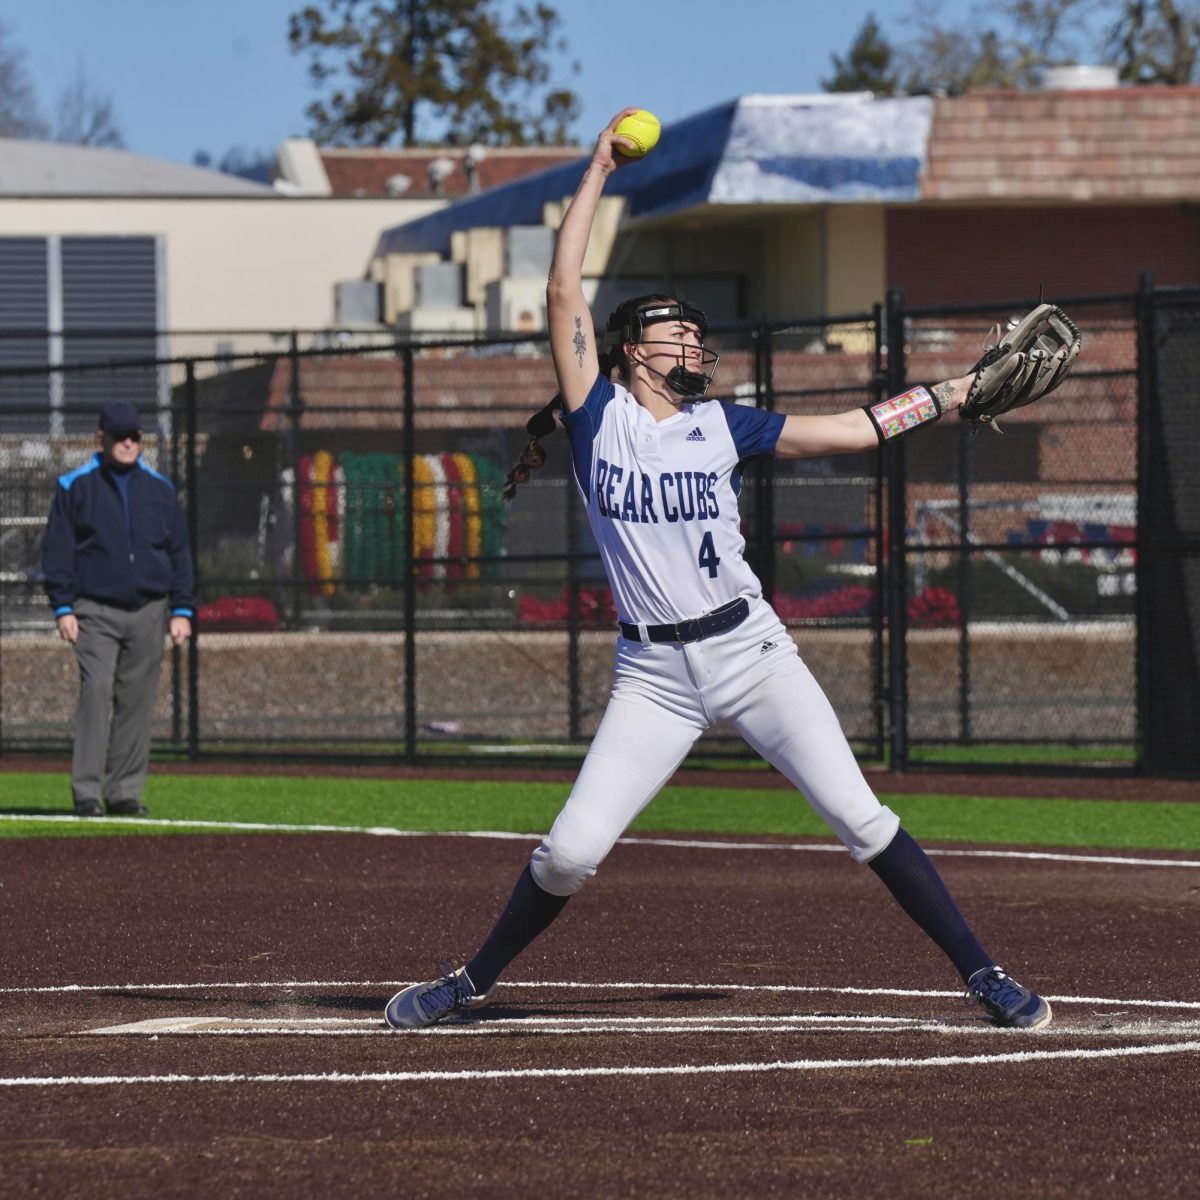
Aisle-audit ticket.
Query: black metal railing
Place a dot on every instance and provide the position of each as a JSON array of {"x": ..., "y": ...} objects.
[{"x": 965, "y": 600}]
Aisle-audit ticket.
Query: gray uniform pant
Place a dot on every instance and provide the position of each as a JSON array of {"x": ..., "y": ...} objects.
[{"x": 120, "y": 654}]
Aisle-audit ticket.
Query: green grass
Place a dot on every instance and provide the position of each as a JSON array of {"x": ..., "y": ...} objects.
[
  {"x": 456, "y": 805},
  {"x": 1031, "y": 753}
]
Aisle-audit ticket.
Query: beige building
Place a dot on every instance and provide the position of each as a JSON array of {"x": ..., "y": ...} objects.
[
  {"x": 93, "y": 239},
  {"x": 790, "y": 206}
]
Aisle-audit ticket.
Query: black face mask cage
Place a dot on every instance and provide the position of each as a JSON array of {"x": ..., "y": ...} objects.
[
  {"x": 629, "y": 322},
  {"x": 681, "y": 378}
]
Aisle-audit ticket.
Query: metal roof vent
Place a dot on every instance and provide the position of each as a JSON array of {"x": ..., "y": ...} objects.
[
  {"x": 1079, "y": 77},
  {"x": 439, "y": 170}
]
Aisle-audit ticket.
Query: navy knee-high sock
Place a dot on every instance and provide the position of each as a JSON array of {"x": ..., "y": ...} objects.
[
  {"x": 529, "y": 911},
  {"x": 918, "y": 888}
]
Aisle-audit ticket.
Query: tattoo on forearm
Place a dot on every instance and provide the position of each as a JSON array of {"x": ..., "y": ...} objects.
[
  {"x": 550, "y": 277},
  {"x": 580, "y": 340},
  {"x": 943, "y": 393}
]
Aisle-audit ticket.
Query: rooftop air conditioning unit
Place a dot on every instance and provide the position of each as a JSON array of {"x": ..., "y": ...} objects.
[
  {"x": 435, "y": 323},
  {"x": 516, "y": 305},
  {"x": 528, "y": 251},
  {"x": 438, "y": 285},
  {"x": 357, "y": 302}
]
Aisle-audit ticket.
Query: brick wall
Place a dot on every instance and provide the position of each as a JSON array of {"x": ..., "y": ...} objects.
[{"x": 973, "y": 255}]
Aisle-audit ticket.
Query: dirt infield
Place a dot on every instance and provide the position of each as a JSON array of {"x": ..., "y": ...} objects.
[{"x": 701, "y": 1021}]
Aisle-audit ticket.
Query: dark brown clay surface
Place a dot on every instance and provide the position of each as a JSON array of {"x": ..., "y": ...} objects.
[{"x": 762, "y": 1022}]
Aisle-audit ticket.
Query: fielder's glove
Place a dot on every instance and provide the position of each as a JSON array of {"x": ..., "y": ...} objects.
[{"x": 1029, "y": 360}]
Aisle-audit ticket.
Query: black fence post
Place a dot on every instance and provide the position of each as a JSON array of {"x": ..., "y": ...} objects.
[
  {"x": 897, "y": 536},
  {"x": 1147, "y": 392},
  {"x": 764, "y": 467},
  {"x": 173, "y": 472},
  {"x": 878, "y": 591},
  {"x": 410, "y": 564},
  {"x": 574, "y": 708},
  {"x": 963, "y": 439},
  {"x": 295, "y": 407},
  {"x": 193, "y": 513}
]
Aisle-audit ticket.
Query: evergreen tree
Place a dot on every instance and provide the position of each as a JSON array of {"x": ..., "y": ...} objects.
[
  {"x": 480, "y": 75},
  {"x": 867, "y": 65}
]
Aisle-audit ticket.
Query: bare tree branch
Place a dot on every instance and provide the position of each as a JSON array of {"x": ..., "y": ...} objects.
[
  {"x": 19, "y": 116},
  {"x": 1010, "y": 43},
  {"x": 85, "y": 115}
]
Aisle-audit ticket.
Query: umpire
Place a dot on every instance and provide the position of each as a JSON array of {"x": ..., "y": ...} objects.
[{"x": 114, "y": 557}]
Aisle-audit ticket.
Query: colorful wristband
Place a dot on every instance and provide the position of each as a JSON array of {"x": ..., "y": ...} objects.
[{"x": 898, "y": 415}]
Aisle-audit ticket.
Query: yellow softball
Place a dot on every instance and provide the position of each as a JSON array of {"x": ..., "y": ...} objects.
[{"x": 642, "y": 129}]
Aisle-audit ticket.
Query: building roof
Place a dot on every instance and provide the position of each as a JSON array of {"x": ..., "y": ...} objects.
[
  {"x": 366, "y": 172},
  {"x": 753, "y": 150},
  {"x": 29, "y": 168},
  {"x": 1065, "y": 146},
  {"x": 1117, "y": 144}
]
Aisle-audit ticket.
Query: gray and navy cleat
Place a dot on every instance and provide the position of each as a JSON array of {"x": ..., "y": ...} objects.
[
  {"x": 1005, "y": 1001},
  {"x": 425, "y": 1004}
]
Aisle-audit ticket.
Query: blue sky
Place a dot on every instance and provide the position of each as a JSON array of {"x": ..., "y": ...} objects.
[{"x": 218, "y": 73}]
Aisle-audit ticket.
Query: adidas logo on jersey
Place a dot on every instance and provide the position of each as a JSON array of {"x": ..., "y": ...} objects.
[
  {"x": 696, "y": 436},
  {"x": 766, "y": 646}
]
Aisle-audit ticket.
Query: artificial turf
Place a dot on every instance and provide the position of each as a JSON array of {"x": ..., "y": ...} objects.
[{"x": 433, "y": 805}]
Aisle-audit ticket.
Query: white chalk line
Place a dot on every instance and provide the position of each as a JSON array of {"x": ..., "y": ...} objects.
[
  {"x": 557, "y": 1026},
  {"x": 569, "y": 985},
  {"x": 740, "y": 1068},
  {"x": 505, "y": 835}
]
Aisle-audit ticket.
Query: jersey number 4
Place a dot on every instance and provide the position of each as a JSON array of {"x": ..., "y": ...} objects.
[{"x": 708, "y": 556}]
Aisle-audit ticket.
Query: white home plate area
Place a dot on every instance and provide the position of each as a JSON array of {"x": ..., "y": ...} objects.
[{"x": 1098, "y": 1019}]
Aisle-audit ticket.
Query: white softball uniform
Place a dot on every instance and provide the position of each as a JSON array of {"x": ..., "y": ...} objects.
[{"x": 661, "y": 498}]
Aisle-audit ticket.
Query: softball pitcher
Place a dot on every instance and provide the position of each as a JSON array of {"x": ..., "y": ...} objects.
[{"x": 658, "y": 469}]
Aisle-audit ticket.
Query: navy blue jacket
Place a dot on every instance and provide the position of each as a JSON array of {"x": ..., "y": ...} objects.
[{"x": 91, "y": 549}]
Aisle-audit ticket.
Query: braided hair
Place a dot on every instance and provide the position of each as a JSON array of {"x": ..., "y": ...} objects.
[{"x": 626, "y": 323}]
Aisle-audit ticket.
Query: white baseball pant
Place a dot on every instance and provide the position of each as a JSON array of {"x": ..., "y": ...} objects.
[{"x": 665, "y": 696}]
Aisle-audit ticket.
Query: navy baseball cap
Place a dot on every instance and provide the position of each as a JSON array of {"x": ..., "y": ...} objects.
[{"x": 119, "y": 418}]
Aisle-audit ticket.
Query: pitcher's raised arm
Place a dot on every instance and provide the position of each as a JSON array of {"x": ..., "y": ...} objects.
[{"x": 572, "y": 334}]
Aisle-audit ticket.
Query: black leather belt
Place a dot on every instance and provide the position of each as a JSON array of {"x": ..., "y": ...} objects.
[{"x": 728, "y": 616}]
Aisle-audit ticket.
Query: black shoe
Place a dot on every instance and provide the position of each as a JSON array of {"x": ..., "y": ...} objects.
[
  {"x": 127, "y": 808},
  {"x": 1005, "y": 1001},
  {"x": 428, "y": 1003},
  {"x": 89, "y": 808}
]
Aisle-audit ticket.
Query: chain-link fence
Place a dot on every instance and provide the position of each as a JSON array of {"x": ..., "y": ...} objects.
[
  {"x": 365, "y": 591},
  {"x": 1022, "y": 554}
]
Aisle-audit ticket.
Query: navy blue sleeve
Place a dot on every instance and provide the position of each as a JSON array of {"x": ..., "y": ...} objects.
[
  {"x": 754, "y": 430},
  {"x": 581, "y": 426},
  {"x": 58, "y": 553},
  {"x": 183, "y": 602}
]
